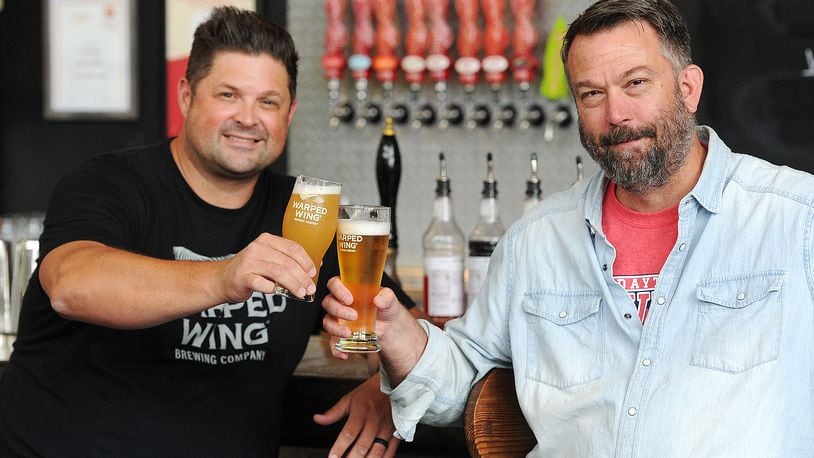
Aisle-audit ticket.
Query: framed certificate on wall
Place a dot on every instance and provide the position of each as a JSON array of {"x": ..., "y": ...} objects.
[{"x": 90, "y": 60}]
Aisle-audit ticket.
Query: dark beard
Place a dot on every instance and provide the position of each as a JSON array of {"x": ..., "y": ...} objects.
[{"x": 639, "y": 171}]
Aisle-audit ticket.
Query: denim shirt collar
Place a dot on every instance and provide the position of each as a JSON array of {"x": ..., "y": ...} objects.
[{"x": 707, "y": 191}]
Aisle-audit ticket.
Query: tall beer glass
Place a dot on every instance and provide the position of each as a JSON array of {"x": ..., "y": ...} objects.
[
  {"x": 310, "y": 220},
  {"x": 361, "y": 242}
]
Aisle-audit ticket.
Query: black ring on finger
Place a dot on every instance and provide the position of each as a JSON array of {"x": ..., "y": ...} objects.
[{"x": 383, "y": 442}]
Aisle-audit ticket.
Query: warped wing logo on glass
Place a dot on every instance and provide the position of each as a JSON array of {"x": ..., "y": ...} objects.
[{"x": 316, "y": 199}]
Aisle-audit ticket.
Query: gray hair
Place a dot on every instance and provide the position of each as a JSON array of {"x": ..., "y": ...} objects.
[{"x": 662, "y": 15}]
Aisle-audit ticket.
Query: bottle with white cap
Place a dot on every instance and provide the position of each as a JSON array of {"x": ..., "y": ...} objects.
[
  {"x": 443, "y": 256},
  {"x": 484, "y": 237}
]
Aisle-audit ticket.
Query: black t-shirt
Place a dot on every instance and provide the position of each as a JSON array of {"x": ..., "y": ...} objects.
[{"x": 209, "y": 384}]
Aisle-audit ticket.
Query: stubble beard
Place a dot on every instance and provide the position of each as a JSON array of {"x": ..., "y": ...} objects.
[
  {"x": 214, "y": 157},
  {"x": 638, "y": 171}
]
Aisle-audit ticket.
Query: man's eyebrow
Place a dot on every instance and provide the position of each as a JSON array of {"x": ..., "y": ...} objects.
[
  {"x": 272, "y": 93},
  {"x": 585, "y": 84},
  {"x": 627, "y": 74},
  {"x": 638, "y": 69}
]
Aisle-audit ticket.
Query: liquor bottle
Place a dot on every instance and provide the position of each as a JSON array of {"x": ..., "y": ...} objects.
[
  {"x": 485, "y": 235},
  {"x": 388, "y": 177},
  {"x": 533, "y": 192},
  {"x": 443, "y": 256}
]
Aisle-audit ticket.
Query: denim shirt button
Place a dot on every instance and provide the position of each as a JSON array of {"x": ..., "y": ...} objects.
[
  {"x": 628, "y": 316},
  {"x": 646, "y": 363},
  {"x": 631, "y": 411},
  {"x": 741, "y": 296},
  {"x": 563, "y": 314},
  {"x": 682, "y": 247},
  {"x": 661, "y": 300}
]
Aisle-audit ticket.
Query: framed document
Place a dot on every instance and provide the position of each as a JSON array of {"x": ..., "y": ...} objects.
[{"x": 89, "y": 60}]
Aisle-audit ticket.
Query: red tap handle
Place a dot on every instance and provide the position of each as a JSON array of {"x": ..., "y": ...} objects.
[
  {"x": 363, "y": 36},
  {"x": 496, "y": 38},
  {"x": 440, "y": 39},
  {"x": 495, "y": 41},
  {"x": 336, "y": 39},
  {"x": 415, "y": 42},
  {"x": 469, "y": 41},
  {"x": 524, "y": 40},
  {"x": 385, "y": 63}
]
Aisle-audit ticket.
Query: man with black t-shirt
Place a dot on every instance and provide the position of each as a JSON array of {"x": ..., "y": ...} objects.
[{"x": 149, "y": 328}]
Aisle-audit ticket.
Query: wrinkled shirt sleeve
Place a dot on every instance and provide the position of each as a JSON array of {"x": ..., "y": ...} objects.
[{"x": 436, "y": 390}]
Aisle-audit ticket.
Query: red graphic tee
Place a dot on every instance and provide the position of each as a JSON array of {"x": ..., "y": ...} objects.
[{"x": 642, "y": 241}]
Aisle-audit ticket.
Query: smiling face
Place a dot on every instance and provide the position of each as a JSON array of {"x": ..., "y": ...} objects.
[
  {"x": 237, "y": 117},
  {"x": 635, "y": 109}
]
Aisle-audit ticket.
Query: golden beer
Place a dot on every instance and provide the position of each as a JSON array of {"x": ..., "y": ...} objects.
[
  {"x": 310, "y": 219},
  {"x": 361, "y": 242}
]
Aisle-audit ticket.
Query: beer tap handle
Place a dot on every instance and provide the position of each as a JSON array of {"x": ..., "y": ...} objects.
[
  {"x": 388, "y": 175},
  {"x": 415, "y": 44},
  {"x": 360, "y": 62},
  {"x": 385, "y": 63},
  {"x": 524, "y": 64},
  {"x": 333, "y": 61},
  {"x": 468, "y": 66},
  {"x": 495, "y": 41},
  {"x": 495, "y": 64},
  {"x": 438, "y": 45},
  {"x": 469, "y": 43},
  {"x": 439, "y": 39}
]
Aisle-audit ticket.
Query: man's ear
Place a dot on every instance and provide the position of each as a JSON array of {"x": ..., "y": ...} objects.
[
  {"x": 292, "y": 110},
  {"x": 184, "y": 94},
  {"x": 692, "y": 83}
]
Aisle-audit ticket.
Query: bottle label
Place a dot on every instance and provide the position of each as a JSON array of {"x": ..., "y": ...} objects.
[
  {"x": 476, "y": 267},
  {"x": 481, "y": 247},
  {"x": 444, "y": 286}
]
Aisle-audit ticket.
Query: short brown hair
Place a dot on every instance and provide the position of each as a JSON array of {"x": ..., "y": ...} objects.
[{"x": 232, "y": 29}]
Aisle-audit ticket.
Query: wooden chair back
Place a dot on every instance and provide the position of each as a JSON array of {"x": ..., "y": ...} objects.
[{"x": 493, "y": 423}]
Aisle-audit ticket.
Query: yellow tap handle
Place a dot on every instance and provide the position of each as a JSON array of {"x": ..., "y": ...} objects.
[{"x": 554, "y": 85}]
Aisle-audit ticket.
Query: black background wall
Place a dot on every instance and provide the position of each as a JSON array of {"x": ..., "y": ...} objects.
[
  {"x": 752, "y": 53},
  {"x": 34, "y": 152}
]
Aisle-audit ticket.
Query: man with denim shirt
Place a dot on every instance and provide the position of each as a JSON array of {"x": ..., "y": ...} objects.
[{"x": 720, "y": 364}]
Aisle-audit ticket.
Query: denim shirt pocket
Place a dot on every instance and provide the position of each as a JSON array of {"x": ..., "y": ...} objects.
[
  {"x": 564, "y": 335},
  {"x": 739, "y": 321}
]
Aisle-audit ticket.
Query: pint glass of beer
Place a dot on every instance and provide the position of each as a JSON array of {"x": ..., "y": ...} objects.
[
  {"x": 310, "y": 220},
  {"x": 361, "y": 243}
]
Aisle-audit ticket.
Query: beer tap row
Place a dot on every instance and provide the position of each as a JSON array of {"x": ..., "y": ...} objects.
[{"x": 480, "y": 95}]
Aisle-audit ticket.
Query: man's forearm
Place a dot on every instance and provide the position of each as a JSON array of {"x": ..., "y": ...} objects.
[
  {"x": 402, "y": 347},
  {"x": 93, "y": 283}
]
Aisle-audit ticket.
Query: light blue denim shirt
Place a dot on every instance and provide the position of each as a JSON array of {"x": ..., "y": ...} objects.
[{"x": 723, "y": 366}]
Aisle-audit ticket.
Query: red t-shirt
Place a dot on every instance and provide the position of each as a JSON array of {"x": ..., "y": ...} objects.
[{"x": 642, "y": 241}]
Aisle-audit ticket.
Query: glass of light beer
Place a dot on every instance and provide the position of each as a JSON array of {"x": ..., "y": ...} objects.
[
  {"x": 310, "y": 220},
  {"x": 361, "y": 243}
]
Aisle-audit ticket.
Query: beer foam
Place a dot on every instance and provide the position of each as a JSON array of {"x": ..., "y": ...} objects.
[
  {"x": 305, "y": 188},
  {"x": 347, "y": 226}
]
